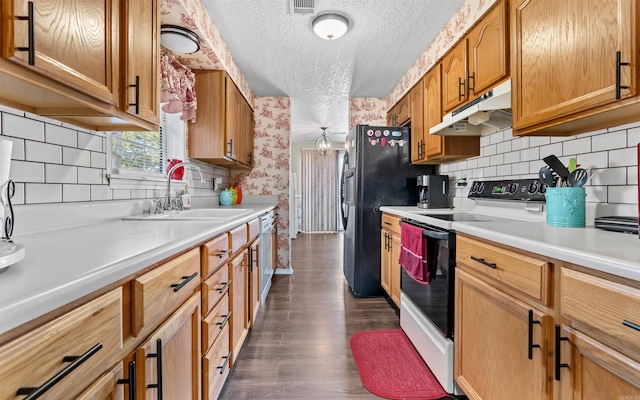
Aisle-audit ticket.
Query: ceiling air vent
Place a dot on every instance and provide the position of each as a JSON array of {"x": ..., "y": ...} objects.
[{"x": 301, "y": 6}]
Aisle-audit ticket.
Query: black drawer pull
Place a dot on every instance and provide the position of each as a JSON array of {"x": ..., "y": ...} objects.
[
  {"x": 532, "y": 346},
  {"x": 76, "y": 361},
  {"x": 137, "y": 88},
  {"x": 222, "y": 254},
  {"x": 225, "y": 320},
  {"x": 187, "y": 279},
  {"x": 158, "y": 356},
  {"x": 483, "y": 262},
  {"x": 31, "y": 47},
  {"x": 224, "y": 287},
  {"x": 631, "y": 325},
  {"x": 224, "y": 365},
  {"x": 619, "y": 65},
  {"x": 559, "y": 364},
  {"x": 131, "y": 380}
]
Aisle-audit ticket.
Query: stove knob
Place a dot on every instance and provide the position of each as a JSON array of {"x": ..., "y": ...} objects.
[
  {"x": 542, "y": 189},
  {"x": 512, "y": 188},
  {"x": 532, "y": 188},
  {"x": 481, "y": 187}
]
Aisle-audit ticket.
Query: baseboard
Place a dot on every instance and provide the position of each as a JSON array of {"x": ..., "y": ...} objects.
[{"x": 284, "y": 271}]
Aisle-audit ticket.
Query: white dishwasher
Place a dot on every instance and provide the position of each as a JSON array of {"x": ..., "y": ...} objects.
[{"x": 266, "y": 254}]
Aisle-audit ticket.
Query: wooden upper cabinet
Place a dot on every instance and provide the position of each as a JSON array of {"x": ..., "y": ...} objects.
[
  {"x": 432, "y": 111},
  {"x": 564, "y": 65},
  {"x": 400, "y": 113},
  {"x": 234, "y": 120},
  {"x": 417, "y": 122},
  {"x": 487, "y": 51},
  {"x": 72, "y": 42},
  {"x": 141, "y": 64},
  {"x": 454, "y": 72}
]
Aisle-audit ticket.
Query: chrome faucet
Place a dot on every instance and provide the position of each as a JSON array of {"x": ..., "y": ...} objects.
[{"x": 167, "y": 198}]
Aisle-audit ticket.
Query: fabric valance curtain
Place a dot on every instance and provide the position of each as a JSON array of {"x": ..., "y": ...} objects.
[{"x": 177, "y": 88}]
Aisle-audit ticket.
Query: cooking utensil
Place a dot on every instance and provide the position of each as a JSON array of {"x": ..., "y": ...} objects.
[
  {"x": 547, "y": 177},
  {"x": 573, "y": 164},
  {"x": 578, "y": 177},
  {"x": 558, "y": 167}
]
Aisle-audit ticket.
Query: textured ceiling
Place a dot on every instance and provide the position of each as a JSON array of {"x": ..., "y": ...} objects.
[{"x": 279, "y": 55}]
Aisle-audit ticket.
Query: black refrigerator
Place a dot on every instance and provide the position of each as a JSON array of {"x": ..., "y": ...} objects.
[{"x": 377, "y": 171}]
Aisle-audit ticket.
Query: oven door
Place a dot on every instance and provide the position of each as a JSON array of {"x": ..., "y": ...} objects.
[{"x": 435, "y": 300}]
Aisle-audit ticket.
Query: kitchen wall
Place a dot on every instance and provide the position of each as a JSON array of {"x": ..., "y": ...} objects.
[
  {"x": 270, "y": 174},
  {"x": 610, "y": 155}
]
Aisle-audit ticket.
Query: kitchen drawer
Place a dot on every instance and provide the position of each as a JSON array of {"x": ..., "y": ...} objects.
[
  {"x": 158, "y": 292},
  {"x": 214, "y": 254},
  {"x": 611, "y": 308},
  {"x": 215, "y": 366},
  {"x": 215, "y": 322},
  {"x": 92, "y": 333},
  {"x": 391, "y": 222},
  {"x": 253, "y": 229},
  {"x": 107, "y": 386},
  {"x": 237, "y": 238},
  {"x": 213, "y": 288},
  {"x": 526, "y": 274}
]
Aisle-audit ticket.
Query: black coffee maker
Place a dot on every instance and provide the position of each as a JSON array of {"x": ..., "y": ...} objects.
[{"x": 433, "y": 191}]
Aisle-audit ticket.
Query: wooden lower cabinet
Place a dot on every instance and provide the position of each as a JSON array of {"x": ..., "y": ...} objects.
[
  {"x": 108, "y": 387},
  {"x": 215, "y": 366},
  {"x": 238, "y": 301},
  {"x": 169, "y": 360},
  {"x": 491, "y": 345},
  {"x": 389, "y": 256},
  {"x": 254, "y": 283}
]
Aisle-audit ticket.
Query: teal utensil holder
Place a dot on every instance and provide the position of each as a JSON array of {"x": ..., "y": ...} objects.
[
  {"x": 226, "y": 197},
  {"x": 566, "y": 206}
]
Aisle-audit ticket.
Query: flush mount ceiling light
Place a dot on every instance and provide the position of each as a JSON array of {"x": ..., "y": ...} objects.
[
  {"x": 330, "y": 26},
  {"x": 179, "y": 39},
  {"x": 324, "y": 145}
]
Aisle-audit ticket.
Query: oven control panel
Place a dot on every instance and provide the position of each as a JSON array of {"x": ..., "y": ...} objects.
[{"x": 509, "y": 189}]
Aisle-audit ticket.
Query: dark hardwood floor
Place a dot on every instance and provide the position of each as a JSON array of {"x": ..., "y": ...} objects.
[{"x": 299, "y": 346}]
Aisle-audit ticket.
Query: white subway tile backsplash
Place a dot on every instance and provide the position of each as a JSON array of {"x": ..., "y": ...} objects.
[
  {"x": 100, "y": 192},
  {"x": 78, "y": 157},
  {"x": 497, "y": 137},
  {"x": 10, "y": 110},
  {"x": 121, "y": 194},
  {"x": 17, "y": 150},
  {"x": 24, "y": 171},
  {"x": 489, "y": 150},
  {"x": 596, "y": 194},
  {"x": 36, "y": 193},
  {"x": 61, "y": 135},
  {"x": 610, "y": 141},
  {"x": 484, "y": 162},
  {"x": 512, "y": 157},
  {"x": 72, "y": 193},
  {"x": 623, "y": 157},
  {"x": 472, "y": 163},
  {"x": 489, "y": 171},
  {"x": 520, "y": 143},
  {"x": 61, "y": 173},
  {"x": 98, "y": 160},
  {"x": 485, "y": 141},
  {"x": 537, "y": 141},
  {"x": 42, "y": 152},
  {"x": 632, "y": 175},
  {"x": 40, "y": 118},
  {"x": 553, "y": 148},
  {"x": 593, "y": 160},
  {"x": 18, "y": 195},
  {"x": 623, "y": 194},
  {"x": 16, "y": 126},
  {"x": 503, "y": 147},
  {"x": 633, "y": 137},
  {"x": 530, "y": 154},
  {"x": 578, "y": 146},
  {"x": 611, "y": 176},
  {"x": 88, "y": 141},
  {"x": 625, "y": 126},
  {"x": 138, "y": 194},
  {"x": 91, "y": 176},
  {"x": 503, "y": 169},
  {"x": 498, "y": 159}
]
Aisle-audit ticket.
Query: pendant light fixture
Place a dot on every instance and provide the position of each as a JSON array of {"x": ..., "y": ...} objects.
[
  {"x": 179, "y": 39},
  {"x": 324, "y": 144},
  {"x": 330, "y": 26}
]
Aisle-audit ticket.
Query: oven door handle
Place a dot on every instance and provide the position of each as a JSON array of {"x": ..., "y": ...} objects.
[{"x": 435, "y": 234}]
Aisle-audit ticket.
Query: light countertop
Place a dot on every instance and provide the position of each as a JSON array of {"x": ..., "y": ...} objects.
[
  {"x": 63, "y": 265},
  {"x": 611, "y": 252}
]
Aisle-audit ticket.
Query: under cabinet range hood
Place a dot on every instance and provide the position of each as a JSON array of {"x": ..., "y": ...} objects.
[{"x": 486, "y": 114}]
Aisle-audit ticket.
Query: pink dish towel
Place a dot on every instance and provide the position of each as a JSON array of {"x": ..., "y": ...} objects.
[{"x": 411, "y": 252}]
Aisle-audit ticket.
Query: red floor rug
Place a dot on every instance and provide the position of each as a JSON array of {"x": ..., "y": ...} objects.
[{"x": 390, "y": 367}]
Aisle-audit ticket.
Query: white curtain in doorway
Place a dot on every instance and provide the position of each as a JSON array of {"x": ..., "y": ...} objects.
[{"x": 320, "y": 194}]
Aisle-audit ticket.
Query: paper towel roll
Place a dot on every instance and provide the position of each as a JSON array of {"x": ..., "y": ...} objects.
[{"x": 6, "y": 146}]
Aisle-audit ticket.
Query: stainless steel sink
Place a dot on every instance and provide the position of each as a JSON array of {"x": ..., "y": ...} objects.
[{"x": 203, "y": 214}]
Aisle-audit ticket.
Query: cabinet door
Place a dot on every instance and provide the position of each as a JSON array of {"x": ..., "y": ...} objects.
[
  {"x": 254, "y": 285},
  {"x": 595, "y": 371},
  {"x": 142, "y": 52},
  {"x": 73, "y": 42},
  {"x": 385, "y": 258},
  {"x": 238, "y": 300},
  {"x": 108, "y": 387},
  {"x": 488, "y": 62},
  {"x": 394, "y": 267},
  {"x": 454, "y": 74},
  {"x": 492, "y": 342},
  {"x": 403, "y": 110},
  {"x": 433, "y": 144},
  {"x": 391, "y": 117},
  {"x": 233, "y": 112},
  {"x": 564, "y": 56},
  {"x": 169, "y": 361},
  {"x": 417, "y": 123}
]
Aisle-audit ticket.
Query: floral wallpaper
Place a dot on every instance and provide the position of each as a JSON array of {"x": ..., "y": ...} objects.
[
  {"x": 469, "y": 13},
  {"x": 270, "y": 173},
  {"x": 365, "y": 110}
]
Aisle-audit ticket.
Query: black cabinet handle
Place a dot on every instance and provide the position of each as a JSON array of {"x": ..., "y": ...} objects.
[
  {"x": 131, "y": 380},
  {"x": 34, "y": 393},
  {"x": 230, "y": 144},
  {"x": 137, "y": 88},
  {"x": 469, "y": 87},
  {"x": 31, "y": 47},
  {"x": 255, "y": 258},
  {"x": 631, "y": 325},
  {"x": 420, "y": 149},
  {"x": 619, "y": 65},
  {"x": 224, "y": 287},
  {"x": 225, "y": 320},
  {"x": 532, "y": 346},
  {"x": 221, "y": 254},
  {"x": 224, "y": 365},
  {"x": 558, "y": 363},
  {"x": 158, "y": 356},
  {"x": 483, "y": 262},
  {"x": 461, "y": 84},
  {"x": 250, "y": 158},
  {"x": 187, "y": 279}
]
